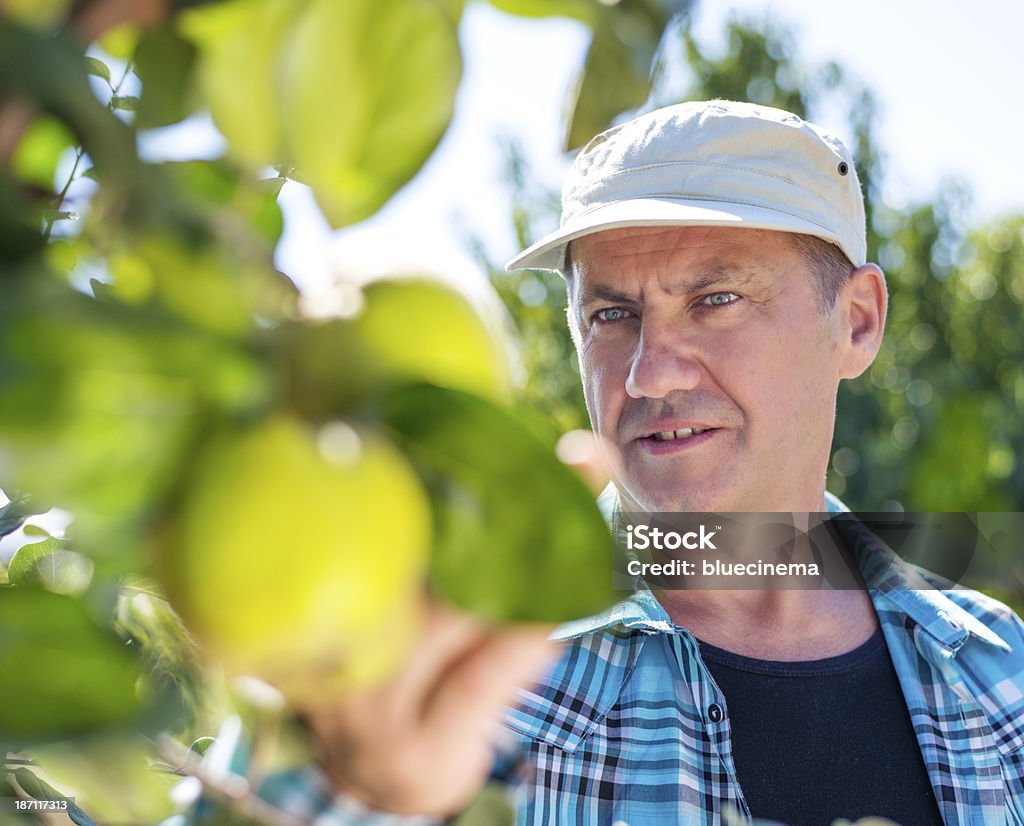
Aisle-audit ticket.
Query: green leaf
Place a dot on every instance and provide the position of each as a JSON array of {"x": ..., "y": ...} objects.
[
  {"x": 41, "y": 14},
  {"x": 63, "y": 91},
  {"x": 486, "y": 468},
  {"x": 126, "y": 103},
  {"x": 368, "y": 91},
  {"x": 230, "y": 196},
  {"x": 20, "y": 235},
  {"x": 24, "y": 563},
  {"x": 239, "y": 49},
  {"x": 617, "y": 73},
  {"x": 13, "y": 514},
  {"x": 165, "y": 63},
  {"x": 99, "y": 401},
  {"x": 39, "y": 789},
  {"x": 67, "y": 674},
  {"x": 584, "y": 10},
  {"x": 444, "y": 342},
  {"x": 119, "y": 41},
  {"x": 48, "y": 564},
  {"x": 201, "y": 745},
  {"x": 97, "y": 67},
  {"x": 111, "y": 778},
  {"x": 39, "y": 151}
]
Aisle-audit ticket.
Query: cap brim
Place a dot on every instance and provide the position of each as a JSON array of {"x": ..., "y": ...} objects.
[{"x": 549, "y": 252}]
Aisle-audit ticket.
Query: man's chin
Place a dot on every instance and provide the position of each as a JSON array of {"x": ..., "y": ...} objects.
[{"x": 658, "y": 501}]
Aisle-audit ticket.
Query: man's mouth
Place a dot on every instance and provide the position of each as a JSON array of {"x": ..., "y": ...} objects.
[{"x": 675, "y": 435}]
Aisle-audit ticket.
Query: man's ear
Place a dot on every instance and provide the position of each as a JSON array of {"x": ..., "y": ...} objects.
[{"x": 862, "y": 302}]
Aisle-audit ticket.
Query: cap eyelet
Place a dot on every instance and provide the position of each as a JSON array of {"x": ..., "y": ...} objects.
[{"x": 844, "y": 167}]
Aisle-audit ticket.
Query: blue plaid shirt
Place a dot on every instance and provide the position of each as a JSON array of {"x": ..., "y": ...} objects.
[{"x": 620, "y": 731}]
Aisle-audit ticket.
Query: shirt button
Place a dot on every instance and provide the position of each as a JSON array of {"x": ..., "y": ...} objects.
[{"x": 715, "y": 713}]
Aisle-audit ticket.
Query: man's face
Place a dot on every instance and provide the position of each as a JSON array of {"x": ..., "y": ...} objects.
[{"x": 708, "y": 368}]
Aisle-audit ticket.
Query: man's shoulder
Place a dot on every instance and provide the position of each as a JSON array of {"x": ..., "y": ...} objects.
[{"x": 993, "y": 614}]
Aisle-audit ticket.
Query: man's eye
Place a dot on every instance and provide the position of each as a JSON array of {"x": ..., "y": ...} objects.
[
  {"x": 720, "y": 299},
  {"x": 611, "y": 314}
]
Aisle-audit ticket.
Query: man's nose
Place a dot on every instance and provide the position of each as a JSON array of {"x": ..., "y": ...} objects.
[{"x": 664, "y": 361}]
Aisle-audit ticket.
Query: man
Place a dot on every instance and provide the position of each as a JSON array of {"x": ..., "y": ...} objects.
[{"x": 715, "y": 261}]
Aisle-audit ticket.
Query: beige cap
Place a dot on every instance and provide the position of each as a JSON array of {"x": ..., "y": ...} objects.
[{"x": 715, "y": 163}]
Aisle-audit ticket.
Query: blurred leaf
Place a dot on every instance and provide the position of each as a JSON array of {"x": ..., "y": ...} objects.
[
  {"x": 30, "y": 784},
  {"x": 584, "y": 10},
  {"x": 8, "y": 789},
  {"x": 98, "y": 402},
  {"x": 444, "y": 341},
  {"x": 63, "y": 255},
  {"x": 368, "y": 91},
  {"x": 485, "y": 468},
  {"x": 64, "y": 92},
  {"x": 200, "y": 745},
  {"x": 14, "y": 513},
  {"x": 41, "y": 14},
  {"x": 119, "y": 42},
  {"x": 171, "y": 657},
  {"x": 946, "y": 475},
  {"x": 230, "y": 198},
  {"x": 109, "y": 777},
  {"x": 95, "y": 66},
  {"x": 102, "y": 291},
  {"x": 239, "y": 49},
  {"x": 39, "y": 789},
  {"x": 313, "y": 350},
  {"x": 165, "y": 63},
  {"x": 127, "y": 103},
  {"x": 39, "y": 150},
  {"x": 69, "y": 675},
  {"x": 20, "y": 228},
  {"x": 22, "y": 569},
  {"x": 63, "y": 572},
  {"x": 199, "y": 285},
  {"x": 617, "y": 74}
]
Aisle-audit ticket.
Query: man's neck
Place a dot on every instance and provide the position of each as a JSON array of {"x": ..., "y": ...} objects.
[
  {"x": 826, "y": 616},
  {"x": 775, "y": 625}
]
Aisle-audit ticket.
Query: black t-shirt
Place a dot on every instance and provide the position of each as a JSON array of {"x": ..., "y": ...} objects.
[{"x": 824, "y": 739}]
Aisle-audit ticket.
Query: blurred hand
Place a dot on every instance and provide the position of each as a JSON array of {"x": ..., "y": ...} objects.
[
  {"x": 581, "y": 450},
  {"x": 424, "y": 743}
]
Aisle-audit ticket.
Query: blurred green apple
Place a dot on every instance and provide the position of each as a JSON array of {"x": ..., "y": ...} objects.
[{"x": 298, "y": 555}]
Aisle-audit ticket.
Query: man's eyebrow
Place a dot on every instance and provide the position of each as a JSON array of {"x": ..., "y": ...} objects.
[
  {"x": 718, "y": 275},
  {"x": 589, "y": 293}
]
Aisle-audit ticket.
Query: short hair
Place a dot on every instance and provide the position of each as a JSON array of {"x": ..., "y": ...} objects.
[{"x": 829, "y": 264}]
